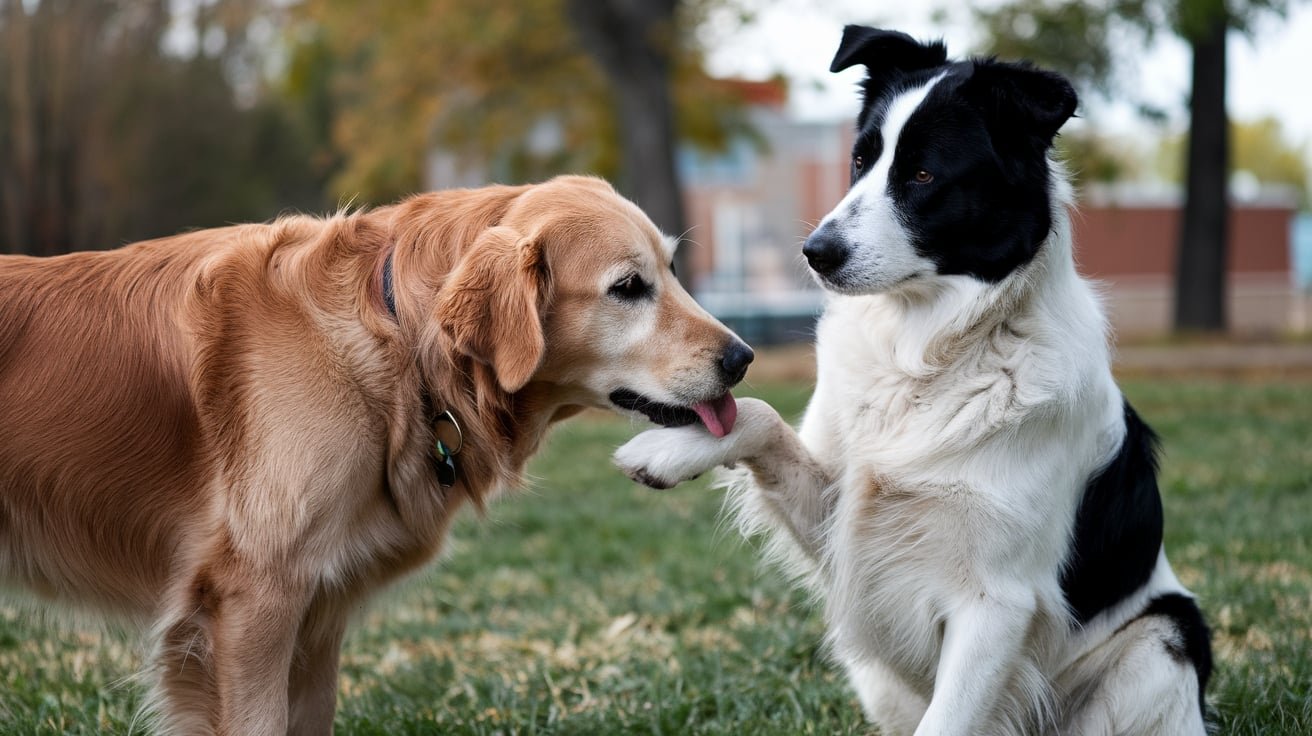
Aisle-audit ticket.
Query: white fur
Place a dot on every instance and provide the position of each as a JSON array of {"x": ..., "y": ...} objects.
[
  {"x": 929, "y": 495},
  {"x": 885, "y": 254}
]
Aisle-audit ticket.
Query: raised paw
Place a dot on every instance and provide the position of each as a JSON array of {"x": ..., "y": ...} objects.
[{"x": 663, "y": 458}]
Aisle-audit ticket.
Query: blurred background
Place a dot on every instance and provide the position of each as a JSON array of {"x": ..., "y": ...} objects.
[
  {"x": 588, "y": 605},
  {"x": 128, "y": 119}
]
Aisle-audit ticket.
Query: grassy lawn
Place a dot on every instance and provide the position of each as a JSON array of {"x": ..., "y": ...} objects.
[{"x": 587, "y": 605}]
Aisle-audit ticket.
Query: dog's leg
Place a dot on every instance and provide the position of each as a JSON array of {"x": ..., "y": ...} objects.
[
  {"x": 312, "y": 689},
  {"x": 254, "y": 637},
  {"x": 225, "y": 648},
  {"x": 1143, "y": 682},
  {"x": 249, "y": 613},
  {"x": 887, "y": 701},
  {"x": 982, "y": 641},
  {"x": 789, "y": 480},
  {"x": 254, "y": 640}
]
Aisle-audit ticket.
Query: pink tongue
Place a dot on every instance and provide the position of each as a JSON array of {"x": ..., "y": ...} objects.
[{"x": 718, "y": 414}]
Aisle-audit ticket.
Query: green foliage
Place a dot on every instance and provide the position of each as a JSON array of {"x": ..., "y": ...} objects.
[
  {"x": 1083, "y": 39},
  {"x": 107, "y": 137},
  {"x": 1260, "y": 147},
  {"x": 483, "y": 81},
  {"x": 588, "y": 605},
  {"x": 1190, "y": 19},
  {"x": 1070, "y": 36},
  {"x": 1091, "y": 158}
]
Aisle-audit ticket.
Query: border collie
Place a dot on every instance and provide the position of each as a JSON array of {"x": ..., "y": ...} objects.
[{"x": 969, "y": 493}]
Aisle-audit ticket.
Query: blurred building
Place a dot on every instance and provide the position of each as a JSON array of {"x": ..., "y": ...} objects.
[
  {"x": 751, "y": 207},
  {"x": 1126, "y": 238}
]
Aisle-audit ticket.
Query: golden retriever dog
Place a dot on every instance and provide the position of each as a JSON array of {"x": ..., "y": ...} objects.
[{"x": 234, "y": 436}]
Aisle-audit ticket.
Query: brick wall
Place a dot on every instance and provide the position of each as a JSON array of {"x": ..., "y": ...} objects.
[{"x": 1130, "y": 249}]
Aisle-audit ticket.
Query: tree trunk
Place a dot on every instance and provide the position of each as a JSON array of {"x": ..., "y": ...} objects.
[
  {"x": 633, "y": 41},
  {"x": 1200, "y": 276}
]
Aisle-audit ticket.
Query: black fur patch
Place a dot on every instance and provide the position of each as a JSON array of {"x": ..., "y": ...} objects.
[
  {"x": 982, "y": 133},
  {"x": 1118, "y": 528},
  {"x": 987, "y": 209},
  {"x": 1195, "y": 644},
  {"x": 892, "y": 60}
]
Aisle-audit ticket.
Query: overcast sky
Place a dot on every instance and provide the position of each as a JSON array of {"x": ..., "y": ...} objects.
[{"x": 1270, "y": 72}]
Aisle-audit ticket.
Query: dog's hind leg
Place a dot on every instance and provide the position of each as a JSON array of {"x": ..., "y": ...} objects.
[
  {"x": 789, "y": 480},
  {"x": 1146, "y": 680}
]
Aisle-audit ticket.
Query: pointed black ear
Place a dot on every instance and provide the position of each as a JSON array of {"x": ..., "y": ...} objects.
[
  {"x": 1019, "y": 100},
  {"x": 887, "y": 55},
  {"x": 882, "y": 51}
]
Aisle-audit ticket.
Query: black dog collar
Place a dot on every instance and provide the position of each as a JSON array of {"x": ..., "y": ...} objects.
[
  {"x": 389, "y": 292},
  {"x": 442, "y": 454}
]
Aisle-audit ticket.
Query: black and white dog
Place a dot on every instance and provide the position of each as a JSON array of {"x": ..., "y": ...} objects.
[{"x": 969, "y": 493}]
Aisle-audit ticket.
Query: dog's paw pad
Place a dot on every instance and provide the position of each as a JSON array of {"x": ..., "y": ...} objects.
[
  {"x": 654, "y": 482},
  {"x": 646, "y": 459}
]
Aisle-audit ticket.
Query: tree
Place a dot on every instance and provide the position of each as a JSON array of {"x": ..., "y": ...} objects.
[
  {"x": 106, "y": 137},
  {"x": 42, "y": 76},
  {"x": 521, "y": 88},
  {"x": 1083, "y": 33},
  {"x": 1261, "y": 149},
  {"x": 633, "y": 41},
  {"x": 1200, "y": 288}
]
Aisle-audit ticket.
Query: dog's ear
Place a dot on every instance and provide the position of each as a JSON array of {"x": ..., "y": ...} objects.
[
  {"x": 1021, "y": 104},
  {"x": 887, "y": 55},
  {"x": 491, "y": 305}
]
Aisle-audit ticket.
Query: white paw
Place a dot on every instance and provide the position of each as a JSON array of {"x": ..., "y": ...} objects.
[{"x": 663, "y": 458}]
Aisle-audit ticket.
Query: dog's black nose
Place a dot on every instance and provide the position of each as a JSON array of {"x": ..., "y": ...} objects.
[
  {"x": 825, "y": 251},
  {"x": 737, "y": 356}
]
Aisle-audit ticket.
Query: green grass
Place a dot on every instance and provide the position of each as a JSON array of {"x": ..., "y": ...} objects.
[{"x": 588, "y": 605}]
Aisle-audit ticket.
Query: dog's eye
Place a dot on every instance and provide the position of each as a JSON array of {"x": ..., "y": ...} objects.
[
  {"x": 858, "y": 162},
  {"x": 922, "y": 177},
  {"x": 629, "y": 288}
]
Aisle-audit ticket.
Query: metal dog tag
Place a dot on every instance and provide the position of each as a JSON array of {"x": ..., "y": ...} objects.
[
  {"x": 444, "y": 456},
  {"x": 444, "y": 464}
]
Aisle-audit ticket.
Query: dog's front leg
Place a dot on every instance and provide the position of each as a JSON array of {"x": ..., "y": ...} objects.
[
  {"x": 981, "y": 645},
  {"x": 256, "y": 615},
  {"x": 789, "y": 479},
  {"x": 312, "y": 688}
]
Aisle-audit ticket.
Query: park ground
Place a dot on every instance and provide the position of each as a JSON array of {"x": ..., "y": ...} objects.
[{"x": 584, "y": 604}]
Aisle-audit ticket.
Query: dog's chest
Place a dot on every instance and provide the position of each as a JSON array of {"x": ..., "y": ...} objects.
[
  {"x": 899, "y": 557},
  {"x": 860, "y": 413},
  {"x": 915, "y": 525}
]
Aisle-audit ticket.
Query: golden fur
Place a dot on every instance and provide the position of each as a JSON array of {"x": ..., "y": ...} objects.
[{"x": 222, "y": 434}]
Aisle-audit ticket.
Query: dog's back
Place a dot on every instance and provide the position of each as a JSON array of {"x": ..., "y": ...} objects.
[{"x": 94, "y": 361}]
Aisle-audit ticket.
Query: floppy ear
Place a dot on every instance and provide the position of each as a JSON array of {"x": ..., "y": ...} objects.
[
  {"x": 490, "y": 305},
  {"x": 1020, "y": 103},
  {"x": 886, "y": 54}
]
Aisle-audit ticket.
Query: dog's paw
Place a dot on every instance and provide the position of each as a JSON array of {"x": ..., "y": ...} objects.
[{"x": 664, "y": 458}]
